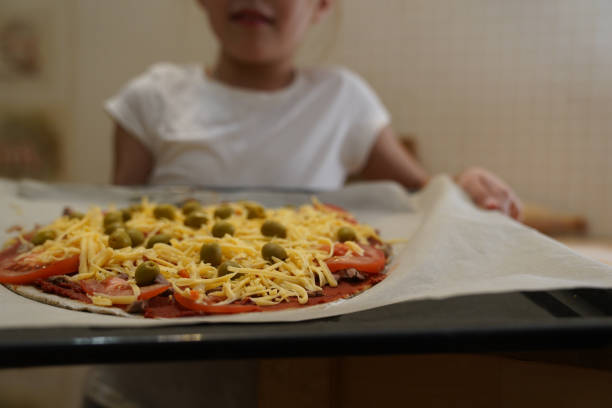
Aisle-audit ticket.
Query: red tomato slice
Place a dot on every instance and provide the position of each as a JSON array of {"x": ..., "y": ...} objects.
[
  {"x": 150, "y": 291},
  {"x": 346, "y": 216},
  {"x": 341, "y": 249},
  {"x": 212, "y": 309},
  {"x": 116, "y": 286},
  {"x": 23, "y": 273},
  {"x": 193, "y": 295},
  {"x": 372, "y": 261},
  {"x": 112, "y": 286},
  {"x": 335, "y": 208}
]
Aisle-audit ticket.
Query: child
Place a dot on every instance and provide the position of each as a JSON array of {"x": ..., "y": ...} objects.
[{"x": 254, "y": 119}]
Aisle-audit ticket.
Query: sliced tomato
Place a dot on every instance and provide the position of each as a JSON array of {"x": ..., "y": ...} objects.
[
  {"x": 346, "y": 216},
  {"x": 214, "y": 309},
  {"x": 341, "y": 249},
  {"x": 150, "y": 291},
  {"x": 113, "y": 286},
  {"x": 335, "y": 208},
  {"x": 23, "y": 273},
  {"x": 193, "y": 295},
  {"x": 372, "y": 261}
]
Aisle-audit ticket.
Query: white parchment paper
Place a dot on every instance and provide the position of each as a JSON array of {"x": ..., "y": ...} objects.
[{"x": 451, "y": 248}]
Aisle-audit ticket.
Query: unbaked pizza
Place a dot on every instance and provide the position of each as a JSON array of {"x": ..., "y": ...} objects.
[{"x": 163, "y": 260}]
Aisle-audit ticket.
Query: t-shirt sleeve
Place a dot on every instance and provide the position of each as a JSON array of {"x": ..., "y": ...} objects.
[
  {"x": 137, "y": 107},
  {"x": 368, "y": 117}
]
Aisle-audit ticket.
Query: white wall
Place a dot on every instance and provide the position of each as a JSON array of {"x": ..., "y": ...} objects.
[
  {"x": 522, "y": 87},
  {"x": 118, "y": 39}
]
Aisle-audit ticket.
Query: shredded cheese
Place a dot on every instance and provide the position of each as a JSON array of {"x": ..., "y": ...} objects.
[{"x": 310, "y": 235}]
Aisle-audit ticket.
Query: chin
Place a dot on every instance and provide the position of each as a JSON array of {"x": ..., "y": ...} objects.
[
  {"x": 255, "y": 56},
  {"x": 253, "y": 52}
]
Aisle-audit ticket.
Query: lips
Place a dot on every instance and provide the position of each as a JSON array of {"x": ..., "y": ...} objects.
[{"x": 251, "y": 17}]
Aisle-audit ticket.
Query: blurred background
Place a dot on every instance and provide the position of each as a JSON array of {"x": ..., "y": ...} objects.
[{"x": 522, "y": 87}]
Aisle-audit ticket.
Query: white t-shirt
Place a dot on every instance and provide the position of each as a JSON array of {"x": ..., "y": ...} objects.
[{"x": 311, "y": 134}]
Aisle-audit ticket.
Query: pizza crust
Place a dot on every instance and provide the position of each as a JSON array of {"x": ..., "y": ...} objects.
[{"x": 38, "y": 295}]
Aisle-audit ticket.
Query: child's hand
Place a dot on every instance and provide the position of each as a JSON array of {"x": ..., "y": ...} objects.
[{"x": 489, "y": 191}]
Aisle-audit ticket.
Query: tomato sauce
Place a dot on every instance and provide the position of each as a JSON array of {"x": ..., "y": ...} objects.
[
  {"x": 166, "y": 307},
  {"x": 345, "y": 289}
]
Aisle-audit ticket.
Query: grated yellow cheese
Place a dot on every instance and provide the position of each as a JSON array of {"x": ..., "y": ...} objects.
[{"x": 311, "y": 233}]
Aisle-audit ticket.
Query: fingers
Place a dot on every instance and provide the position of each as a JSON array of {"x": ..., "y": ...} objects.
[
  {"x": 491, "y": 203},
  {"x": 489, "y": 192},
  {"x": 479, "y": 193},
  {"x": 514, "y": 211},
  {"x": 511, "y": 204},
  {"x": 516, "y": 208}
]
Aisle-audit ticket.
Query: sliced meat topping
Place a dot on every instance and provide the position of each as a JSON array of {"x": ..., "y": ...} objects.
[
  {"x": 349, "y": 273},
  {"x": 62, "y": 287}
]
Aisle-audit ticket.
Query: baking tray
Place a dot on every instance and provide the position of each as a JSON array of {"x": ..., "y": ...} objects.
[
  {"x": 503, "y": 322},
  {"x": 510, "y": 322}
]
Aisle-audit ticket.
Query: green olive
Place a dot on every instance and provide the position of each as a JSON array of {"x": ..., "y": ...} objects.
[
  {"x": 42, "y": 236},
  {"x": 346, "y": 234},
  {"x": 75, "y": 215},
  {"x": 272, "y": 250},
  {"x": 159, "y": 239},
  {"x": 221, "y": 228},
  {"x": 211, "y": 254},
  {"x": 191, "y": 206},
  {"x": 223, "y": 212},
  {"x": 164, "y": 211},
  {"x": 136, "y": 236},
  {"x": 119, "y": 239},
  {"x": 195, "y": 220},
  {"x": 273, "y": 229},
  {"x": 110, "y": 228},
  {"x": 222, "y": 269},
  {"x": 113, "y": 217},
  {"x": 126, "y": 214},
  {"x": 146, "y": 273},
  {"x": 255, "y": 211}
]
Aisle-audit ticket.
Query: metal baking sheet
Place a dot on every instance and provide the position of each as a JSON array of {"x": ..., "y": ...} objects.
[
  {"x": 473, "y": 281},
  {"x": 507, "y": 322}
]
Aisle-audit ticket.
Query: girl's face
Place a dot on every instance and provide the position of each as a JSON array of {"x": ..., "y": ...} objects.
[{"x": 262, "y": 31}]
